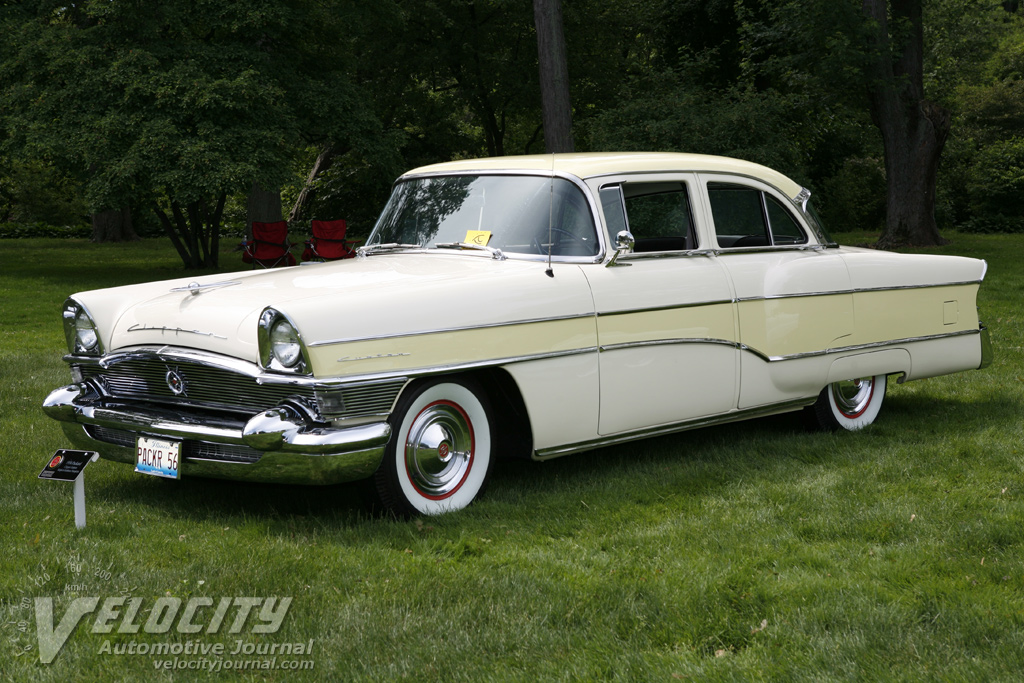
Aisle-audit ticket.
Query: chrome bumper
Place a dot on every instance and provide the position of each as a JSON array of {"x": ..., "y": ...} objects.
[
  {"x": 986, "y": 347},
  {"x": 287, "y": 447}
]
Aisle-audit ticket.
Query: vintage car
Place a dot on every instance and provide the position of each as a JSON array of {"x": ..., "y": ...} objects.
[{"x": 520, "y": 306}]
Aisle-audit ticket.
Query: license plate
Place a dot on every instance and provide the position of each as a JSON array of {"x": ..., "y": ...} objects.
[{"x": 156, "y": 457}]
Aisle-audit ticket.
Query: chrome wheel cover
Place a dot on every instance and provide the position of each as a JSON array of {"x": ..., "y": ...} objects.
[
  {"x": 852, "y": 396},
  {"x": 439, "y": 449}
]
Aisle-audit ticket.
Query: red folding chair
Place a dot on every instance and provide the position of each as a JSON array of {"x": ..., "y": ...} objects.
[
  {"x": 269, "y": 246},
  {"x": 328, "y": 242}
]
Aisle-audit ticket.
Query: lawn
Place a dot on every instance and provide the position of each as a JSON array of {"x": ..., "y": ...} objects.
[{"x": 753, "y": 551}]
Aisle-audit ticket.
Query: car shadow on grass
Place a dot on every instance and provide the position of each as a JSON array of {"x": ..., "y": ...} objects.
[
  {"x": 694, "y": 463},
  {"x": 200, "y": 498}
]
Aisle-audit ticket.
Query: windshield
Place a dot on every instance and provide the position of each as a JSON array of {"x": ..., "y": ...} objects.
[{"x": 516, "y": 214}]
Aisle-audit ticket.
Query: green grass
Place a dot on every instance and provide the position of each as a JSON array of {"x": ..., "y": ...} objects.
[{"x": 754, "y": 551}]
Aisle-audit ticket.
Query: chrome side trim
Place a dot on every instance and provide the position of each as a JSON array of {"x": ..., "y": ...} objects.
[
  {"x": 670, "y": 307},
  {"x": 857, "y": 290},
  {"x": 733, "y": 416},
  {"x": 646, "y": 255},
  {"x": 733, "y": 251},
  {"x": 690, "y": 340},
  {"x": 792, "y": 356},
  {"x": 873, "y": 345},
  {"x": 444, "y": 330}
]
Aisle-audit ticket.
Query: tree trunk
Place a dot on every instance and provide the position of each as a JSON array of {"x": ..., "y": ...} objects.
[
  {"x": 263, "y": 206},
  {"x": 913, "y": 129},
  {"x": 556, "y": 107},
  {"x": 113, "y": 225},
  {"x": 913, "y": 145},
  {"x": 194, "y": 232},
  {"x": 324, "y": 160}
]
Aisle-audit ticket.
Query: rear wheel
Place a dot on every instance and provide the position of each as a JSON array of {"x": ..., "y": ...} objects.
[
  {"x": 849, "y": 404},
  {"x": 440, "y": 450}
]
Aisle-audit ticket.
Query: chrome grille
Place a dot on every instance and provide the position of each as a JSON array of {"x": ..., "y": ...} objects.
[
  {"x": 120, "y": 437},
  {"x": 146, "y": 379},
  {"x": 201, "y": 450},
  {"x": 359, "y": 399},
  {"x": 190, "y": 449},
  {"x": 217, "y": 388}
]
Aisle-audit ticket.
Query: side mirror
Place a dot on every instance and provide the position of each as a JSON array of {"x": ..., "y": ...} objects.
[{"x": 623, "y": 245}]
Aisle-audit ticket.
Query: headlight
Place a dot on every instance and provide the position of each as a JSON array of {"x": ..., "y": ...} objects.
[
  {"x": 284, "y": 343},
  {"x": 80, "y": 331},
  {"x": 281, "y": 347}
]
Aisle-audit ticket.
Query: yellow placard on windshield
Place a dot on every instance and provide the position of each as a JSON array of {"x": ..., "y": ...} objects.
[{"x": 481, "y": 237}]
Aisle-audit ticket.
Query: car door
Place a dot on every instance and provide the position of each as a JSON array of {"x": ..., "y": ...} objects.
[
  {"x": 665, "y": 315},
  {"x": 793, "y": 298}
]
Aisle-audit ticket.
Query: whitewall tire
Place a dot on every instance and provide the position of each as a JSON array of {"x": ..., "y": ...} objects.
[
  {"x": 440, "y": 450},
  {"x": 850, "y": 404}
]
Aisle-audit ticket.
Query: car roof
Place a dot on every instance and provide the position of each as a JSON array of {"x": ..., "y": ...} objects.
[{"x": 595, "y": 164}]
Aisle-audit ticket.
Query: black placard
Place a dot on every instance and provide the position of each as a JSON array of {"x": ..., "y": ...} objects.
[{"x": 67, "y": 465}]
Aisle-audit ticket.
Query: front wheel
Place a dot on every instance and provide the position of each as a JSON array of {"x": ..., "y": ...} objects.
[
  {"x": 440, "y": 449},
  {"x": 849, "y": 404}
]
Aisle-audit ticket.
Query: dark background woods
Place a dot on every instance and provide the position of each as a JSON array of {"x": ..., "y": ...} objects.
[{"x": 186, "y": 117}]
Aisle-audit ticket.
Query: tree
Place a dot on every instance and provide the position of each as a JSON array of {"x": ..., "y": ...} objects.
[
  {"x": 181, "y": 104},
  {"x": 914, "y": 129},
  {"x": 476, "y": 59},
  {"x": 554, "y": 76},
  {"x": 113, "y": 225}
]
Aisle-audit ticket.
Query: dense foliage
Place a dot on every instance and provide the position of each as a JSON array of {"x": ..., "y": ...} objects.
[{"x": 177, "y": 110}]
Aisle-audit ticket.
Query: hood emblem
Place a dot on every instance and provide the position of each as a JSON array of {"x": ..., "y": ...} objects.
[
  {"x": 176, "y": 382},
  {"x": 139, "y": 327}
]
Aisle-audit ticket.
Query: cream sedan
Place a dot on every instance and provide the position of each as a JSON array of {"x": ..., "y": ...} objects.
[{"x": 519, "y": 306}]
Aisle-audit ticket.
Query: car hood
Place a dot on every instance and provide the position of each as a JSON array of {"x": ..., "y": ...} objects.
[{"x": 379, "y": 296}]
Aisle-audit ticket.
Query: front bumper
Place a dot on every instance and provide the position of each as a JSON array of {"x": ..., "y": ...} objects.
[{"x": 280, "y": 445}]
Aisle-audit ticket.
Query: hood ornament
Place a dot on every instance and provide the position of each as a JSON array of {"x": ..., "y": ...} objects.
[{"x": 195, "y": 289}]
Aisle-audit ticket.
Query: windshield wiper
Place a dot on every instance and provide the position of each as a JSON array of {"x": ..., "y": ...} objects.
[
  {"x": 496, "y": 254},
  {"x": 389, "y": 246}
]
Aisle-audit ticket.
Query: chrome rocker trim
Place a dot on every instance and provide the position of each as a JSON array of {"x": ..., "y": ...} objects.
[{"x": 294, "y": 449}]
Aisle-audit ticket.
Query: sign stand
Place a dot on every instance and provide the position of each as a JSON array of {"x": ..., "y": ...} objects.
[{"x": 68, "y": 465}]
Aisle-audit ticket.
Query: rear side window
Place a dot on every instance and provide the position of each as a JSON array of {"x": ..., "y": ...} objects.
[{"x": 747, "y": 217}]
